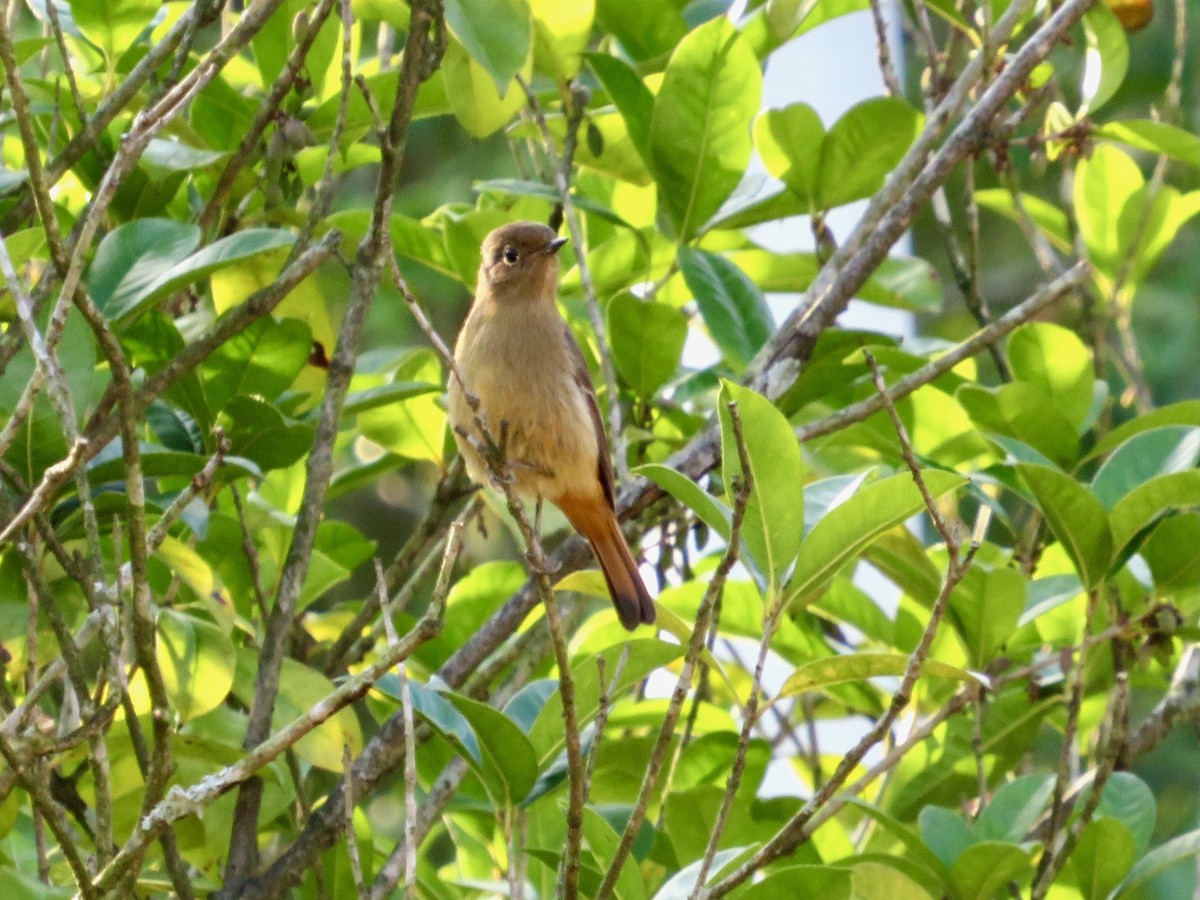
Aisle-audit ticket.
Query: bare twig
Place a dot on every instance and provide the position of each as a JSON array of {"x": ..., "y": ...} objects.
[
  {"x": 562, "y": 183},
  {"x": 356, "y": 869},
  {"x": 742, "y": 493},
  {"x": 796, "y": 830},
  {"x": 410, "y": 740},
  {"x": 181, "y": 802},
  {"x": 268, "y": 111},
  {"x": 883, "y": 51}
]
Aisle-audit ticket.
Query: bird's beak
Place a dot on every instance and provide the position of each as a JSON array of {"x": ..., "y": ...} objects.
[{"x": 554, "y": 246}]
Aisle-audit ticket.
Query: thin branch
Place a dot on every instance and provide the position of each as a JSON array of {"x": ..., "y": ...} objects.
[
  {"x": 1179, "y": 704},
  {"x": 268, "y": 111},
  {"x": 1058, "y": 808},
  {"x": 39, "y": 792},
  {"x": 562, "y": 183},
  {"x": 883, "y": 51},
  {"x": 980, "y": 340},
  {"x": 796, "y": 830},
  {"x": 716, "y": 586},
  {"x": 356, "y": 869},
  {"x": 181, "y": 802},
  {"x": 388, "y": 611},
  {"x": 104, "y": 427},
  {"x": 200, "y": 483},
  {"x": 370, "y": 258}
]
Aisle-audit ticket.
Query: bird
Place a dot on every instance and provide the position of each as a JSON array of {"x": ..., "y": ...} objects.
[{"x": 516, "y": 355}]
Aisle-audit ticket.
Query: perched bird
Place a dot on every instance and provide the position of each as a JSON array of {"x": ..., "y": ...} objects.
[{"x": 516, "y": 354}]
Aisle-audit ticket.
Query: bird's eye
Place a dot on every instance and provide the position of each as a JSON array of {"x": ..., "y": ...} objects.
[{"x": 511, "y": 256}]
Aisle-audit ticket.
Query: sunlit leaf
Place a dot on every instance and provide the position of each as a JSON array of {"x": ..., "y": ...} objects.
[
  {"x": 1107, "y": 57},
  {"x": 774, "y": 521},
  {"x": 847, "y": 667},
  {"x": 849, "y": 528},
  {"x": 700, "y": 129},
  {"x": 496, "y": 33}
]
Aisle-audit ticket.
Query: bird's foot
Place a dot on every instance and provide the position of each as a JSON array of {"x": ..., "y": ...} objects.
[{"x": 539, "y": 562}]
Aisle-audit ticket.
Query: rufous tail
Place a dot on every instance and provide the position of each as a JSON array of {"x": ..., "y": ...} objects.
[{"x": 599, "y": 525}]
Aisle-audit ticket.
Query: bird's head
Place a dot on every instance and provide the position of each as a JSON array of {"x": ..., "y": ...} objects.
[{"x": 520, "y": 259}]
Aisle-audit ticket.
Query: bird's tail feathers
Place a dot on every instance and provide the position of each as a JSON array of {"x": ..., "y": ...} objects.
[{"x": 629, "y": 595}]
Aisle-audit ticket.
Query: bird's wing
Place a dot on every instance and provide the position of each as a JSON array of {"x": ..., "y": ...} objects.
[{"x": 604, "y": 466}]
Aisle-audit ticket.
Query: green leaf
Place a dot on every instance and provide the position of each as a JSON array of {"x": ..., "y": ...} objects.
[
  {"x": 134, "y": 256},
  {"x": 300, "y": 689},
  {"x": 1055, "y": 360},
  {"x": 259, "y": 432},
  {"x": 946, "y": 834},
  {"x": 1104, "y": 186},
  {"x": 681, "y": 885},
  {"x": 497, "y": 34},
  {"x": 197, "y": 662},
  {"x": 883, "y": 878},
  {"x": 518, "y": 187},
  {"x": 387, "y": 394},
  {"x": 984, "y": 609},
  {"x": 1159, "y": 860},
  {"x": 645, "y": 30},
  {"x": 480, "y": 107},
  {"x": 700, "y": 129},
  {"x": 826, "y": 882},
  {"x": 1147, "y": 455},
  {"x": 435, "y": 708},
  {"x": 560, "y": 35},
  {"x": 508, "y": 751},
  {"x": 632, "y": 98},
  {"x": 774, "y": 521},
  {"x": 850, "y": 667},
  {"x": 1025, "y": 412},
  {"x": 1049, "y": 593},
  {"x": 862, "y": 147},
  {"x": 157, "y": 462},
  {"x": 1154, "y": 137},
  {"x": 1106, "y": 59},
  {"x": 601, "y": 840},
  {"x": 732, "y": 305},
  {"x": 310, "y": 162},
  {"x": 1102, "y": 857},
  {"x": 1077, "y": 519},
  {"x": 1185, "y": 412},
  {"x": 919, "y": 851},
  {"x": 984, "y": 869},
  {"x": 17, "y": 885},
  {"x": 1145, "y": 503},
  {"x": 645, "y": 655},
  {"x": 708, "y": 508},
  {"x": 1173, "y": 553},
  {"x": 162, "y": 157},
  {"x": 262, "y": 361},
  {"x": 647, "y": 341},
  {"x": 340, "y": 548},
  {"x": 1014, "y": 808},
  {"x": 1050, "y": 220},
  {"x": 113, "y": 25},
  {"x": 527, "y": 703},
  {"x": 901, "y": 282},
  {"x": 789, "y": 141},
  {"x": 129, "y": 299},
  {"x": 1130, "y": 801},
  {"x": 852, "y": 526},
  {"x": 414, "y": 427}
]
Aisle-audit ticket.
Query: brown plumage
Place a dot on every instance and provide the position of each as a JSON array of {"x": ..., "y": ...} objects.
[{"x": 517, "y": 355}]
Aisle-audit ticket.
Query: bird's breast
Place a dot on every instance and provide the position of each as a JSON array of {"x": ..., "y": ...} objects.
[{"x": 519, "y": 368}]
